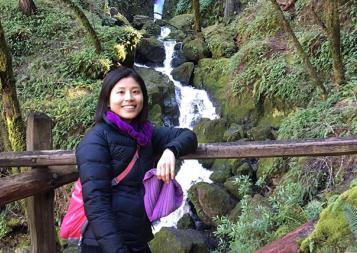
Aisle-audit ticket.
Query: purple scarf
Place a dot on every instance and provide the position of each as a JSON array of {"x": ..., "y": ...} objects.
[{"x": 141, "y": 132}]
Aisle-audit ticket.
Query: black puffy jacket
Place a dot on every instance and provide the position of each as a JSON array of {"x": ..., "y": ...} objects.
[{"x": 116, "y": 215}]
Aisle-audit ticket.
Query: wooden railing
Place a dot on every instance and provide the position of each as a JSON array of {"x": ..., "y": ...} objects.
[{"x": 51, "y": 169}]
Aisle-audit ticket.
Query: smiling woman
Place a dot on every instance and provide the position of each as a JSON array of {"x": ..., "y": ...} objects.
[{"x": 117, "y": 221}]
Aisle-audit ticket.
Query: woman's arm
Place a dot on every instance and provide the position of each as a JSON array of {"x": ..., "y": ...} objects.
[
  {"x": 172, "y": 143},
  {"x": 93, "y": 159}
]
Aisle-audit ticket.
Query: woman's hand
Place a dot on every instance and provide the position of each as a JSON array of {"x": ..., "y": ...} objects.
[{"x": 166, "y": 166}]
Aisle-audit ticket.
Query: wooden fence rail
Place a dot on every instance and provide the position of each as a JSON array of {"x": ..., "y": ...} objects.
[
  {"x": 244, "y": 149},
  {"x": 54, "y": 168}
]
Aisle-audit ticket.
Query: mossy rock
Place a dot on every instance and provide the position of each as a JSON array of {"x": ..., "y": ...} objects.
[
  {"x": 183, "y": 22},
  {"x": 232, "y": 187},
  {"x": 209, "y": 131},
  {"x": 150, "y": 51},
  {"x": 134, "y": 7},
  {"x": 235, "y": 213},
  {"x": 234, "y": 133},
  {"x": 333, "y": 229},
  {"x": 161, "y": 91},
  {"x": 183, "y": 73},
  {"x": 220, "y": 40},
  {"x": 209, "y": 201},
  {"x": 242, "y": 168},
  {"x": 186, "y": 222},
  {"x": 171, "y": 240},
  {"x": 265, "y": 167},
  {"x": 155, "y": 115},
  {"x": 261, "y": 133},
  {"x": 195, "y": 48},
  {"x": 207, "y": 163},
  {"x": 221, "y": 175}
]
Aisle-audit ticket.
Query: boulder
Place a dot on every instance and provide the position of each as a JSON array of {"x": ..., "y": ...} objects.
[
  {"x": 150, "y": 51},
  {"x": 220, "y": 41},
  {"x": 243, "y": 168},
  {"x": 232, "y": 187},
  {"x": 183, "y": 73},
  {"x": 171, "y": 240},
  {"x": 261, "y": 133},
  {"x": 209, "y": 131},
  {"x": 210, "y": 201},
  {"x": 234, "y": 133},
  {"x": 183, "y": 22},
  {"x": 195, "y": 48},
  {"x": 162, "y": 98},
  {"x": 222, "y": 170},
  {"x": 133, "y": 7},
  {"x": 186, "y": 222},
  {"x": 235, "y": 213},
  {"x": 147, "y": 25}
]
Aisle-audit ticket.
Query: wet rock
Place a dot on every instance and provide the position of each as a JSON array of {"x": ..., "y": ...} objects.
[
  {"x": 232, "y": 187},
  {"x": 183, "y": 22},
  {"x": 183, "y": 73},
  {"x": 150, "y": 51},
  {"x": 243, "y": 168},
  {"x": 147, "y": 24},
  {"x": 195, "y": 49},
  {"x": 209, "y": 201},
  {"x": 161, "y": 91},
  {"x": 186, "y": 222},
  {"x": 260, "y": 133},
  {"x": 235, "y": 213},
  {"x": 171, "y": 240},
  {"x": 209, "y": 131},
  {"x": 234, "y": 133},
  {"x": 220, "y": 41}
]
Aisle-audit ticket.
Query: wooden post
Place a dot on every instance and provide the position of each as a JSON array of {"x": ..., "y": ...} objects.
[{"x": 40, "y": 208}]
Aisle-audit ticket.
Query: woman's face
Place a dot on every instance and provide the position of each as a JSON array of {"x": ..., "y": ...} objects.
[{"x": 126, "y": 99}]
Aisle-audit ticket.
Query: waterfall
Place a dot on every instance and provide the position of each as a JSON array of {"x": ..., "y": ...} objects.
[{"x": 193, "y": 105}]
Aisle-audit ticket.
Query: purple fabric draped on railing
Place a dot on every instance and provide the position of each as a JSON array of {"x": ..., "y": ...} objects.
[{"x": 160, "y": 198}]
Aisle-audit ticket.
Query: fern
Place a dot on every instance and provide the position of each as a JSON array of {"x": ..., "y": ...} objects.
[{"x": 350, "y": 212}]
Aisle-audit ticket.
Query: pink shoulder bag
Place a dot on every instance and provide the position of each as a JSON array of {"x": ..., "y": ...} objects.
[{"x": 75, "y": 219}]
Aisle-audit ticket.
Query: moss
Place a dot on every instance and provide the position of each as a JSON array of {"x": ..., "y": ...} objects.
[
  {"x": 2, "y": 61},
  {"x": 209, "y": 131},
  {"x": 220, "y": 41},
  {"x": 16, "y": 133},
  {"x": 182, "y": 22},
  {"x": 332, "y": 229}
]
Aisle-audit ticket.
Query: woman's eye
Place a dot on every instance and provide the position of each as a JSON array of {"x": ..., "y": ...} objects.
[{"x": 136, "y": 91}]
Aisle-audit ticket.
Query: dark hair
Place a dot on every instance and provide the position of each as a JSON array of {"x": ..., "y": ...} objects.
[{"x": 109, "y": 81}]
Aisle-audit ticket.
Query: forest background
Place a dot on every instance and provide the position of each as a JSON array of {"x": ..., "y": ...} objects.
[{"x": 274, "y": 69}]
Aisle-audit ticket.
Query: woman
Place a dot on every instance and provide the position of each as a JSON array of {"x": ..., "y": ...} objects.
[{"x": 117, "y": 222}]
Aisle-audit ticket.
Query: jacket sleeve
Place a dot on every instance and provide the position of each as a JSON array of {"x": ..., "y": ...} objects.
[
  {"x": 93, "y": 159},
  {"x": 181, "y": 141}
]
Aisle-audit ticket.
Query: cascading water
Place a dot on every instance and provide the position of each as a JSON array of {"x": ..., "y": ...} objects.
[{"x": 193, "y": 105}]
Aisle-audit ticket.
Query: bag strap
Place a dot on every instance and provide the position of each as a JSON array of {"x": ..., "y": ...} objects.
[{"x": 128, "y": 168}]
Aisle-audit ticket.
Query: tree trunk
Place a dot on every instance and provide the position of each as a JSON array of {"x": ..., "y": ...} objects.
[
  {"x": 27, "y": 7},
  {"x": 230, "y": 7},
  {"x": 333, "y": 33},
  {"x": 11, "y": 107},
  {"x": 196, "y": 11},
  {"x": 305, "y": 59},
  {"x": 86, "y": 24}
]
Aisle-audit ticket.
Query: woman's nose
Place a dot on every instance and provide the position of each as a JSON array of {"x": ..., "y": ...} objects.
[{"x": 128, "y": 95}]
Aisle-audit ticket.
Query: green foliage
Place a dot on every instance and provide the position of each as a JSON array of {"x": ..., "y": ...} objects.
[
  {"x": 335, "y": 116},
  {"x": 244, "y": 184},
  {"x": 269, "y": 76},
  {"x": 86, "y": 63},
  {"x": 4, "y": 229},
  {"x": 257, "y": 22},
  {"x": 350, "y": 212},
  {"x": 313, "y": 209},
  {"x": 185, "y": 6},
  {"x": 25, "y": 34}
]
